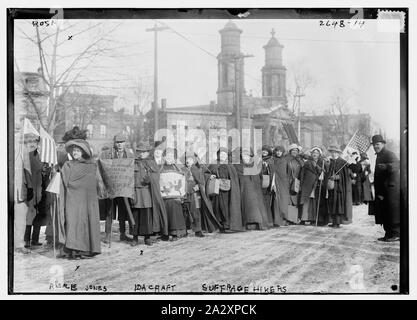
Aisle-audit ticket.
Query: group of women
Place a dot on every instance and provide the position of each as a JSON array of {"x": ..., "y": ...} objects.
[{"x": 229, "y": 196}]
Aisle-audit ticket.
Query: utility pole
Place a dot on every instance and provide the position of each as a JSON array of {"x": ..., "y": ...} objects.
[
  {"x": 155, "y": 29},
  {"x": 238, "y": 90},
  {"x": 298, "y": 96}
]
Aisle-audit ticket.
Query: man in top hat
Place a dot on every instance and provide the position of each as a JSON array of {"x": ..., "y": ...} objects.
[
  {"x": 340, "y": 189},
  {"x": 387, "y": 190},
  {"x": 118, "y": 151}
]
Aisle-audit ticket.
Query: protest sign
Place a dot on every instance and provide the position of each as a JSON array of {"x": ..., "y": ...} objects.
[{"x": 118, "y": 177}]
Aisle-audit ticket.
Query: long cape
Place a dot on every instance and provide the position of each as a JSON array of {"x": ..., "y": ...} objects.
[
  {"x": 235, "y": 219},
  {"x": 208, "y": 219},
  {"x": 253, "y": 207},
  {"x": 160, "y": 217},
  {"x": 342, "y": 201}
]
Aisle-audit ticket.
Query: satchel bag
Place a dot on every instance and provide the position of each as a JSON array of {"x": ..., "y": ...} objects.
[
  {"x": 295, "y": 183},
  {"x": 224, "y": 184},
  {"x": 295, "y": 186},
  {"x": 330, "y": 183},
  {"x": 197, "y": 200},
  {"x": 213, "y": 187},
  {"x": 265, "y": 181}
]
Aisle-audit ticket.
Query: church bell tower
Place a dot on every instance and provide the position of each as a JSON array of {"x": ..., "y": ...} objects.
[
  {"x": 230, "y": 66},
  {"x": 274, "y": 73}
]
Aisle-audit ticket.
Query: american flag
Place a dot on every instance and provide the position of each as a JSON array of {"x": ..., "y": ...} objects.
[
  {"x": 48, "y": 148},
  {"x": 359, "y": 143}
]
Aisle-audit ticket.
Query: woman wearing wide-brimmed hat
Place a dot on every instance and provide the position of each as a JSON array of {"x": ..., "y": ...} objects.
[
  {"x": 79, "y": 217},
  {"x": 294, "y": 165}
]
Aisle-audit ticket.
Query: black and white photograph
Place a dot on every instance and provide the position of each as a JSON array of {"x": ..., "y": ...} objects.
[{"x": 207, "y": 151}]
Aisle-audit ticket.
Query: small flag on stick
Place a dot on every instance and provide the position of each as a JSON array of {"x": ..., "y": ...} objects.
[
  {"x": 359, "y": 143},
  {"x": 48, "y": 148},
  {"x": 28, "y": 128},
  {"x": 54, "y": 185}
]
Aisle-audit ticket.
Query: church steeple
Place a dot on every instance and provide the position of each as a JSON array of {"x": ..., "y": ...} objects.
[
  {"x": 274, "y": 72},
  {"x": 230, "y": 50}
]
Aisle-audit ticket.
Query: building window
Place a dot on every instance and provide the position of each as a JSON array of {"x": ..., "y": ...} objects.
[
  {"x": 90, "y": 129},
  {"x": 174, "y": 127},
  {"x": 102, "y": 131}
]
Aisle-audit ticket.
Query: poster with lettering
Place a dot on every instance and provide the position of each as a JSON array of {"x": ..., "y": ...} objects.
[
  {"x": 172, "y": 184},
  {"x": 118, "y": 177}
]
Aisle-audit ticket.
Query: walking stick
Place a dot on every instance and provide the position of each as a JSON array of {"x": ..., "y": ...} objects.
[
  {"x": 129, "y": 211},
  {"x": 111, "y": 220},
  {"x": 54, "y": 207},
  {"x": 318, "y": 201}
]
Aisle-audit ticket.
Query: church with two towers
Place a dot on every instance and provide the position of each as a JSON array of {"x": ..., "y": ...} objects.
[{"x": 234, "y": 108}]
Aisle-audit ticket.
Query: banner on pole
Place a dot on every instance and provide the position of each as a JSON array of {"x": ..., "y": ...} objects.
[{"x": 118, "y": 177}]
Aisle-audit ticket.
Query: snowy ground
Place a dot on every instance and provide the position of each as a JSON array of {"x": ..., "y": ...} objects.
[{"x": 293, "y": 259}]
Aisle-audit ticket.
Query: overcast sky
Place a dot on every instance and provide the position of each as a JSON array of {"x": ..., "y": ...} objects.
[{"x": 363, "y": 62}]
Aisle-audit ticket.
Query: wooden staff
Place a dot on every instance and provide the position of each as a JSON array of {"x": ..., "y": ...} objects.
[
  {"x": 129, "y": 212},
  {"x": 318, "y": 201},
  {"x": 54, "y": 197}
]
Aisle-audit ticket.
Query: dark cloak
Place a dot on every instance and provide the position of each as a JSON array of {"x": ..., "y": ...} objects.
[
  {"x": 294, "y": 165},
  {"x": 209, "y": 221},
  {"x": 309, "y": 177},
  {"x": 252, "y": 202},
  {"x": 340, "y": 198},
  {"x": 79, "y": 221},
  {"x": 387, "y": 186},
  {"x": 160, "y": 217},
  {"x": 357, "y": 192},
  {"x": 366, "y": 184},
  {"x": 268, "y": 168},
  {"x": 227, "y": 205},
  {"x": 42, "y": 200},
  {"x": 282, "y": 196}
]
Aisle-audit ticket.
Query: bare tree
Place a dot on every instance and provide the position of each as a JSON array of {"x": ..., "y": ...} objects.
[
  {"x": 59, "y": 71},
  {"x": 338, "y": 112},
  {"x": 300, "y": 82}
]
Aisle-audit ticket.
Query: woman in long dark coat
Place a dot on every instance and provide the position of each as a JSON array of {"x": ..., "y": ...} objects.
[
  {"x": 79, "y": 219},
  {"x": 148, "y": 208},
  {"x": 38, "y": 213},
  {"x": 340, "y": 197},
  {"x": 198, "y": 206},
  {"x": 254, "y": 214},
  {"x": 356, "y": 171},
  {"x": 311, "y": 179},
  {"x": 268, "y": 182},
  {"x": 281, "y": 194},
  {"x": 294, "y": 165},
  {"x": 364, "y": 179},
  {"x": 173, "y": 206},
  {"x": 226, "y": 204}
]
